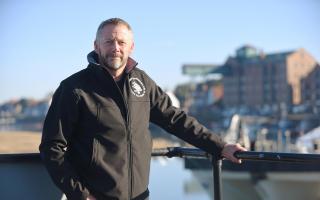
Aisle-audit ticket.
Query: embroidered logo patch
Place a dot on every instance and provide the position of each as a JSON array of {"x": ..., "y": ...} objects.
[{"x": 137, "y": 88}]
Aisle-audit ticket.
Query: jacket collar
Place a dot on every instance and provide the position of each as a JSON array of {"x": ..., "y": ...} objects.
[{"x": 92, "y": 58}]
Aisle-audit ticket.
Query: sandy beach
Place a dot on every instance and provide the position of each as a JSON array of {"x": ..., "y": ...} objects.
[
  {"x": 19, "y": 142},
  {"x": 28, "y": 142}
]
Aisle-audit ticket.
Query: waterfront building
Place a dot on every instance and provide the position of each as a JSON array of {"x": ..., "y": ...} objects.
[{"x": 257, "y": 80}]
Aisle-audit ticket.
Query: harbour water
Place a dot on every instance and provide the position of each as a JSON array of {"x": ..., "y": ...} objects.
[{"x": 170, "y": 180}]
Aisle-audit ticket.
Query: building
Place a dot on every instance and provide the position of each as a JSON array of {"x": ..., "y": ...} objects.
[
  {"x": 310, "y": 89},
  {"x": 198, "y": 69},
  {"x": 256, "y": 80},
  {"x": 207, "y": 93}
]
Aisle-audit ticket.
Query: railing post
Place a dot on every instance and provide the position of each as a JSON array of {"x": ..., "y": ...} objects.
[{"x": 217, "y": 187}]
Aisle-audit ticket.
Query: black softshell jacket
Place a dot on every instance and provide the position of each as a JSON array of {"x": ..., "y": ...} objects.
[{"x": 96, "y": 139}]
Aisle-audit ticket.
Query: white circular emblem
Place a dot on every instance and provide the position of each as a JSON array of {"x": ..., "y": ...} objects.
[{"x": 136, "y": 86}]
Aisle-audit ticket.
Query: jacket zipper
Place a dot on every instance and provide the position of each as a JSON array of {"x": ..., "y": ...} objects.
[
  {"x": 129, "y": 140},
  {"x": 130, "y": 181}
]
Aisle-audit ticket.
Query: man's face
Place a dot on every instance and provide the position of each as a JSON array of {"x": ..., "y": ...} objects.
[{"x": 114, "y": 46}]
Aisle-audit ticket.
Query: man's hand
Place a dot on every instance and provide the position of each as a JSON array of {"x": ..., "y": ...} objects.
[
  {"x": 90, "y": 197},
  {"x": 228, "y": 151}
]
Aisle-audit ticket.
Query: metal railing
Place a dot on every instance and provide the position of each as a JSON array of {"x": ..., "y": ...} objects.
[{"x": 244, "y": 155}]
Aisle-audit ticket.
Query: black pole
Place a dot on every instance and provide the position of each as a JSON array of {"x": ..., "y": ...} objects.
[{"x": 217, "y": 188}]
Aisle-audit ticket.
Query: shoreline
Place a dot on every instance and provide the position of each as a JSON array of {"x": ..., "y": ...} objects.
[{"x": 29, "y": 141}]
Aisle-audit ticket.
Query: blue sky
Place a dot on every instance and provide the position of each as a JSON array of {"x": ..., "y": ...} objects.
[{"x": 43, "y": 42}]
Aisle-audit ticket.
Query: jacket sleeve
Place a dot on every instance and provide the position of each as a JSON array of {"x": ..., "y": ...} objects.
[
  {"x": 57, "y": 132},
  {"x": 178, "y": 123}
]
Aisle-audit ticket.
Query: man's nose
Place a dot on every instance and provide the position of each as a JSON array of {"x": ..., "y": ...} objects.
[{"x": 115, "y": 46}]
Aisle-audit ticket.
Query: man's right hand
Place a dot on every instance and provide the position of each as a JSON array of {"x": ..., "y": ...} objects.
[
  {"x": 90, "y": 197},
  {"x": 229, "y": 150}
]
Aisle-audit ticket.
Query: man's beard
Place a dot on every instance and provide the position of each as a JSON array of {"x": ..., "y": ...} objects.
[{"x": 110, "y": 62}]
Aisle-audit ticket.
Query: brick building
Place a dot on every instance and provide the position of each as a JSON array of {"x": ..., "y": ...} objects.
[
  {"x": 310, "y": 88},
  {"x": 256, "y": 80}
]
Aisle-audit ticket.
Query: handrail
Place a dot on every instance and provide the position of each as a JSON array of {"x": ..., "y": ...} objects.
[
  {"x": 19, "y": 157},
  {"x": 278, "y": 157},
  {"x": 244, "y": 155},
  {"x": 181, "y": 152},
  {"x": 195, "y": 153}
]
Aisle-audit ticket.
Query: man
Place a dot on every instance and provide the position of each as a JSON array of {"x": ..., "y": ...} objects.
[{"x": 96, "y": 143}]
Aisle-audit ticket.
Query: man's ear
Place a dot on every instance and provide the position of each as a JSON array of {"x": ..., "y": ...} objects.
[
  {"x": 95, "y": 46},
  {"x": 132, "y": 47}
]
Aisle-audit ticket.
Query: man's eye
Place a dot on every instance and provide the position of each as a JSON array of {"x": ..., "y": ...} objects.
[{"x": 107, "y": 41}]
